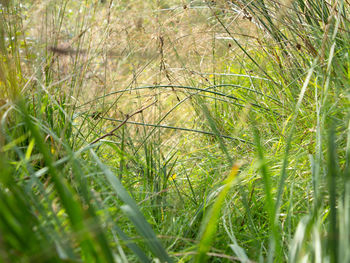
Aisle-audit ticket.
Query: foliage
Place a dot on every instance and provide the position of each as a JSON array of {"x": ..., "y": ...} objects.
[{"x": 222, "y": 137}]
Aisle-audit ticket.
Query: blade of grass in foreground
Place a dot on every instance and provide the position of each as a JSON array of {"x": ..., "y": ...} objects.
[
  {"x": 73, "y": 207},
  {"x": 132, "y": 211},
  {"x": 269, "y": 203},
  {"x": 275, "y": 248},
  {"x": 209, "y": 224},
  {"x": 344, "y": 209},
  {"x": 332, "y": 174}
]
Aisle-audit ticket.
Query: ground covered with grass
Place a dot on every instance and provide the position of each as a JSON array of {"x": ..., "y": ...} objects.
[{"x": 175, "y": 131}]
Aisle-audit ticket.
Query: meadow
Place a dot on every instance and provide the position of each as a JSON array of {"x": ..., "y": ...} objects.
[{"x": 175, "y": 131}]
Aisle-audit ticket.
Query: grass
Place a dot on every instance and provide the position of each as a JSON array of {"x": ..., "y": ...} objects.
[{"x": 160, "y": 131}]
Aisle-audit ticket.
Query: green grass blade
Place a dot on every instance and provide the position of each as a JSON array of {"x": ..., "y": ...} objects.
[
  {"x": 209, "y": 224},
  {"x": 269, "y": 203},
  {"x": 131, "y": 245},
  {"x": 70, "y": 203},
  {"x": 134, "y": 214},
  {"x": 332, "y": 176}
]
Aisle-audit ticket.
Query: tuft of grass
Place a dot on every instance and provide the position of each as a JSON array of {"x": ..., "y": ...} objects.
[{"x": 88, "y": 173}]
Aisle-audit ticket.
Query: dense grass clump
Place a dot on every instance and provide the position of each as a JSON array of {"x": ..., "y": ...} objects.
[{"x": 206, "y": 131}]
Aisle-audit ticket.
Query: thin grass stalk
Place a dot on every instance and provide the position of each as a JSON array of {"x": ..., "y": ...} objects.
[
  {"x": 209, "y": 224},
  {"x": 333, "y": 234}
]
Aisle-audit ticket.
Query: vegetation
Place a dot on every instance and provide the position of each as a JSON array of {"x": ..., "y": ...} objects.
[{"x": 175, "y": 131}]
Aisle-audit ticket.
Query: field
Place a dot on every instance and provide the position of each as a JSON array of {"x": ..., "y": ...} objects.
[{"x": 175, "y": 131}]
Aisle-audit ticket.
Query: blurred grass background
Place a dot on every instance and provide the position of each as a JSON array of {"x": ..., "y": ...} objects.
[{"x": 174, "y": 131}]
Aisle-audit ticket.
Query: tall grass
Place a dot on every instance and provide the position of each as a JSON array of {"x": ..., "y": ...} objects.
[{"x": 260, "y": 173}]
